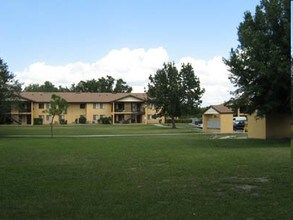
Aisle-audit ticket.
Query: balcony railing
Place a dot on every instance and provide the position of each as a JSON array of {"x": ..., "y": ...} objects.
[{"x": 132, "y": 111}]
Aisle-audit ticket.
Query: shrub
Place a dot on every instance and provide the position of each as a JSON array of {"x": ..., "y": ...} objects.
[
  {"x": 186, "y": 120},
  {"x": 38, "y": 121},
  {"x": 63, "y": 122},
  {"x": 105, "y": 120},
  {"x": 82, "y": 120}
]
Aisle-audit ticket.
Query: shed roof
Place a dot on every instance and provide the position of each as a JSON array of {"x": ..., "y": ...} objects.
[
  {"x": 73, "y": 97},
  {"x": 221, "y": 109}
]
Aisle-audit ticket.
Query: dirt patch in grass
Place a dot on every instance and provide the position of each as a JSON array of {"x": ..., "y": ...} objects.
[{"x": 245, "y": 184}]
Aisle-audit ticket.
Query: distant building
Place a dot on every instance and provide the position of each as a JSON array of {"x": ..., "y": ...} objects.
[
  {"x": 120, "y": 107},
  {"x": 218, "y": 118}
]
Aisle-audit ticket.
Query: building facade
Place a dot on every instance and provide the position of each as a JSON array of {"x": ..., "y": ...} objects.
[
  {"x": 126, "y": 108},
  {"x": 218, "y": 118},
  {"x": 269, "y": 127}
]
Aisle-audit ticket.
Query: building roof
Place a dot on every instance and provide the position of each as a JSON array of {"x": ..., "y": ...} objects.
[
  {"x": 81, "y": 97},
  {"x": 221, "y": 109}
]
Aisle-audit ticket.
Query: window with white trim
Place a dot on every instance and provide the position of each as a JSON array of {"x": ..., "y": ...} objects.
[
  {"x": 95, "y": 117},
  {"x": 102, "y": 105},
  {"x": 95, "y": 105},
  {"x": 48, "y": 105},
  {"x": 48, "y": 117}
]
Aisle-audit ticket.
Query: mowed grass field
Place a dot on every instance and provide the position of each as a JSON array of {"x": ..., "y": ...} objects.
[{"x": 187, "y": 175}]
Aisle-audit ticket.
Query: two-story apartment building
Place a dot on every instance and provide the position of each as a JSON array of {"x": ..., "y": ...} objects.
[{"x": 120, "y": 107}]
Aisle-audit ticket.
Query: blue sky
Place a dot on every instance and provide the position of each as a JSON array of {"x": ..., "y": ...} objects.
[{"x": 59, "y": 33}]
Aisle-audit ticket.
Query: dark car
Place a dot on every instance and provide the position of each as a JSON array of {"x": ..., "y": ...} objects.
[{"x": 238, "y": 125}]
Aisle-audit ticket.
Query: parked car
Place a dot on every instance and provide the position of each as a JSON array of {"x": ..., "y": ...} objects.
[{"x": 238, "y": 125}]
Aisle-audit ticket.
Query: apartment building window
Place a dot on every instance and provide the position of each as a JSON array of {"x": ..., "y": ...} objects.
[
  {"x": 41, "y": 106},
  {"x": 41, "y": 117},
  {"x": 48, "y": 117},
  {"x": 102, "y": 105},
  {"x": 48, "y": 106},
  {"x": 102, "y": 116},
  {"x": 150, "y": 105},
  {"x": 82, "y": 106},
  {"x": 95, "y": 105},
  {"x": 95, "y": 117}
]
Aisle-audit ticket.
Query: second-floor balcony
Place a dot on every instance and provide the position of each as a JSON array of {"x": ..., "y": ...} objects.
[
  {"x": 25, "y": 108},
  {"x": 128, "y": 108}
]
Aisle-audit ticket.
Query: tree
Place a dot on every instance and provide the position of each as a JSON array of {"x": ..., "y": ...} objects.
[
  {"x": 58, "y": 107},
  {"x": 260, "y": 66},
  {"x": 122, "y": 87},
  {"x": 9, "y": 90},
  {"x": 46, "y": 87},
  {"x": 101, "y": 85},
  {"x": 172, "y": 92}
]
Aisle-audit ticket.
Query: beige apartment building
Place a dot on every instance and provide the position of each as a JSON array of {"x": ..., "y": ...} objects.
[{"x": 129, "y": 108}]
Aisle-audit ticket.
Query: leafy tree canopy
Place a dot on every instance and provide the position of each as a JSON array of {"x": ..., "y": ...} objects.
[
  {"x": 102, "y": 85},
  {"x": 46, "y": 87},
  {"x": 9, "y": 89},
  {"x": 260, "y": 65},
  {"x": 174, "y": 92},
  {"x": 58, "y": 106}
]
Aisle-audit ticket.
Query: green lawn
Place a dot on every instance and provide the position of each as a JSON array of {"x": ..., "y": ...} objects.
[
  {"x": 147, "y": 177},
  {"x": 94, "y": 129}
]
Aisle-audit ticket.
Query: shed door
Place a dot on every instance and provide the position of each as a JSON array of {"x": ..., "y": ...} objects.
[{"x": 213, "y": 124}]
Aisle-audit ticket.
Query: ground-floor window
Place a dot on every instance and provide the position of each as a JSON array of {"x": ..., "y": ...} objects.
[
  {"x": 95, "y": 117},
  {"x": 48, "y": 117}
]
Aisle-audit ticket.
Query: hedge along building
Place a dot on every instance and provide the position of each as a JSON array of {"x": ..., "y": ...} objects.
[
  {"x": 218, "y": 118},
  {"x": 120, "y": 107}
]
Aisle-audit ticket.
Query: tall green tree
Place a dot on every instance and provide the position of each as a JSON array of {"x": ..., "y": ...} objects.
[
  {"x": 103, "y": 84},
  {"x": 260, "y": 66},
  {"x": 172, "y": 91},
  {"x": 9, "y": 90},
  {"x": 58, "y": 106},
  {"x": 122, "y": 87},
  {"x": 46, "y": 87}
]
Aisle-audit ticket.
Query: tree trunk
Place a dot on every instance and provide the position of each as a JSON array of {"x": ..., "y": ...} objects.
[
  {"x": 52, "y": 125},
  {"x": 173, "y": 122}
]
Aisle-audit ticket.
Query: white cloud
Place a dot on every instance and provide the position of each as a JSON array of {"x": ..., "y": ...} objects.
[
  {"x": 131, "y": 65},
  {"x": 134, "y": 67},
  {"x": 213, "y": 75}
]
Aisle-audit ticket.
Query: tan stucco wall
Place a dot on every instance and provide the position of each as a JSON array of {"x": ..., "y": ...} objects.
[
  {"x": 226, "y": 123},
  {"x": 225, "y": 120},
  {"x": 270, "y": 127},
  {"x": 90, "y": 111},
  {"x": 208, "y": 117},
  {"x": 74, "y": 112},
  {"x": 256, "y": 127},
  {"x": 152, "y": 111}
]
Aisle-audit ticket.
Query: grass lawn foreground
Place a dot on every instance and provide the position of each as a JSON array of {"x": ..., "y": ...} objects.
[{"x": 185, "y": 176}]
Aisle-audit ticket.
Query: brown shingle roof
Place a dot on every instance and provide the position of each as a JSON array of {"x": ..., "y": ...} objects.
[
  {"x": 222, "y": 109},
  {"x": 73, "y": 97}
]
